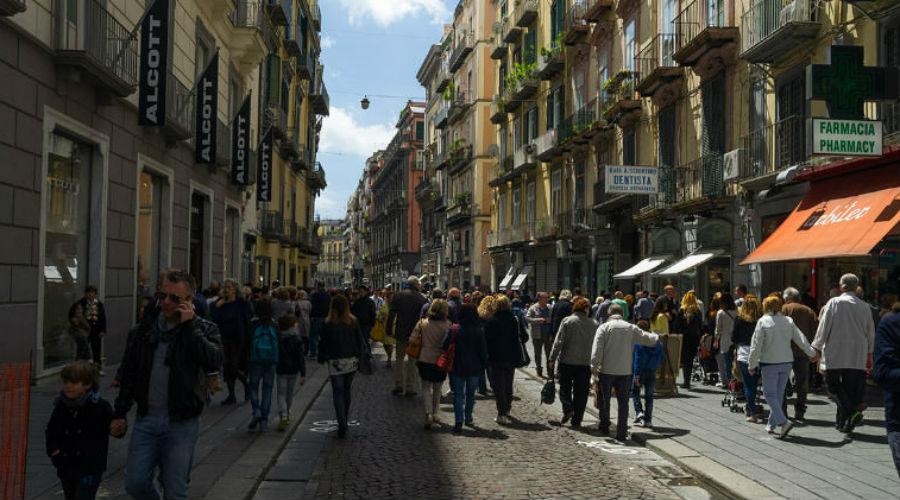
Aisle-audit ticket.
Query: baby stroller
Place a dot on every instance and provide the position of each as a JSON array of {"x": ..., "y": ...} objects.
[
  {"x": 706, "y": 370},
  {"x": 734, "y": 398}
]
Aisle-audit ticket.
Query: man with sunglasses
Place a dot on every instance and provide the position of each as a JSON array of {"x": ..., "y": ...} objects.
[{"x": 168, "y": 363}]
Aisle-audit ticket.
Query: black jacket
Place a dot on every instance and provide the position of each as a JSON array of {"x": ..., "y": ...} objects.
[
  {"x": 886, "y": 369},
  {"x": 471, "y": 356},
  {"x": 321, "y": 301},
  {"x": 291, "y": 359},
  {"x": 743, "y": 332},
  {"x": 98, "y": 326},
  {"x": 196, "y": 352},
  {"x": 503, "y": 338},
  {"x": 561, "y": 310},
  {"x": 404, "y": 313},
  {"x": 364, "y": 310},
  {"x": 339, "y": 340},
  {"x": 82, "y": 437}
]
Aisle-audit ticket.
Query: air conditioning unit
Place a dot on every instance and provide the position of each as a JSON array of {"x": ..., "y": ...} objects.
[{"x": 731, "y": 168}]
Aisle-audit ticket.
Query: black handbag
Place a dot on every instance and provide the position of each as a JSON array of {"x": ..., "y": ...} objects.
[
  {"x": 524, "y": 358},
  {"x": 548, "y": 393},
  {"x": 366, "y": 359}
]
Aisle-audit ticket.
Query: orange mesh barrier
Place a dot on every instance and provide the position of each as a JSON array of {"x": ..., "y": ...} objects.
[{"x": 15, "y": 389}]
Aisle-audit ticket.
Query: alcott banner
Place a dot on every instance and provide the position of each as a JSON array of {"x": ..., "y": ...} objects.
[
  {"x": 240, "y": 145},
  {"x": 154, "y": 65},
  {"x": 207, "y": 104},
  {"x": 264, "y": 179}
]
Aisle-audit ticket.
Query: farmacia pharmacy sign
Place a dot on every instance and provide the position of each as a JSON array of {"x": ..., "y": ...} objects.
[{"x": 846, "y": 137}]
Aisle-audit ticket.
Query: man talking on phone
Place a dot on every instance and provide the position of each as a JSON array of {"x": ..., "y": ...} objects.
[{"x": 166, "y": 371}]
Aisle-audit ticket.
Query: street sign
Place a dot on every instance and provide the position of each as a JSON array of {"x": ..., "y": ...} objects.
[
  {"x": 845, "y": 137},
  {"x": 630, "y": 179}
]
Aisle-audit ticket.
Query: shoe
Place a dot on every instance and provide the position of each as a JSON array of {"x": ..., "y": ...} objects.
[
  {"x": 770, "y": 429},
  {"x": 499, "y": 420},
  {"x": 470, "y": 423},
  {"x": 648, "y": 425},
  {"x": 638, "y": 419},
  {"x": 603, "y": 430},
  {"x": 540, "y": 372},
  {"x": 720, "y": 385},
  {"x": 785, "y": 428},
  {"x": 457, "y": 428},
  {"x": 283, "y": 424},
  {"x": 398, "y": 391},
  {"x": 622, "y": 439},
  {"x": 576, "y": 425},
  {"x": 855, "y": 419},
  {"x": 428, "y": 421},
  {"x": 566, "y": 417},
  {"x": 800, "y": 415},
  {"x": 254, "y": 423},
  {"x": 752, "y": 419},
  {"x": 230, "y": 400},
  {"x": 435, "y": 419}
]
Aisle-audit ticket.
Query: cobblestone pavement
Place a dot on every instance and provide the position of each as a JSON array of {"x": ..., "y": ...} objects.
[{"x": 389, "y": 454}]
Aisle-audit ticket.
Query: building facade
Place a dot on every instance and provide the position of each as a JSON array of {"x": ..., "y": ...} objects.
[
  {"x": 94, "y": 197},
  {"x": 330, "y": 268}
]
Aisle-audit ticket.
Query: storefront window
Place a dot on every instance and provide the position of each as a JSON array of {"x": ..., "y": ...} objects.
[
  {"x": 66, "y": 247},
  {"x": 149, "y": 235}
]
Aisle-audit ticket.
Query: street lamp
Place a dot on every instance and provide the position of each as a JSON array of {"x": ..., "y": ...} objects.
[{"x": 364, "y": 102}]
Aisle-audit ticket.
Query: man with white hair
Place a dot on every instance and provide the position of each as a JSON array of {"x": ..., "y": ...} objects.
[
  {"x": 845, "y": 340},
  {"x": 805, "y": 319},
  {"x": 403, "y": 314},
  {"x": 561, "y": 309}
]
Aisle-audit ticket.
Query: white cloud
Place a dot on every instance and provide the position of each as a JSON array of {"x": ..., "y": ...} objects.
[
  {"x": 386, "y": 12},
  {"x": 327, "y": 42},
  {"x": 342, "y": 134}
]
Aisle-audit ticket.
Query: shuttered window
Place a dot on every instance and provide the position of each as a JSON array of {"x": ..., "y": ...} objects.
[
  {"x": 273, "y": 79},
  {"x": 713, "y": 95},
  {"x": 628, "y": 148},
  {"x": 531, "y": 47},
  {"x": 891, "y": 49},
  {"x": 666, "y": 137}
]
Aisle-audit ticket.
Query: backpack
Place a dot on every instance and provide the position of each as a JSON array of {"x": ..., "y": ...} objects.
[{"x": 264, "y": 346}]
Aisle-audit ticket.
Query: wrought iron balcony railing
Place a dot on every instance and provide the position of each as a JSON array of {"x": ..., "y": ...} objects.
[
  {"x": 701, "y": 178},
  {"x": 464, "y": 46},
  {"x": 658, "y": 54},
  {"x": 774, "y": 147},
  {"x": 773, "y": 29}
]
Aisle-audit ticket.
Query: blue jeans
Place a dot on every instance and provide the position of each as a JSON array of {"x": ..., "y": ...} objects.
[
  {"x": 266, "y": 375},
  {"x": 315, "y": 331},
  {"x": 894, "y": 442},
  {"x": 775, "y": 378},
  {"x": 648, "y": 380},
  {"x": 158, "y": 443},
  {"x": 750, "y": 384},
  {"x": 463, "y": 396}
]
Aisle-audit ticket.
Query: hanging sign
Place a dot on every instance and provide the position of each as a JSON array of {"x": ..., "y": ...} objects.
[
  {"x": 629, "y": 179},
  {"x": 154, "y": 65},
  {"x": 264, "y": 179},
  {"x": 207, "y": 93},
  {"x": 240, "y": 145},
  {"x": 846, "y": 137}
]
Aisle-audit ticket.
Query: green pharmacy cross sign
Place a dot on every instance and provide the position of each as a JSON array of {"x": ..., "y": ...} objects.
[{"x": 846, "y": 84}]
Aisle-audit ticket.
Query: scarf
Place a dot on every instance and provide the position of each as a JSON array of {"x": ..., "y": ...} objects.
[{"x": 62, "y": 400}]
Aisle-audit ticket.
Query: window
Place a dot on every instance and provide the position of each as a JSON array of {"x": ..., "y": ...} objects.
[
  {"x": 153, "y": 219},
  {"x": 557, "y": 16},
  {"x": 579, "y": 90},
  {"x": 559, "y": 102},
  {"x": 502, "y": 81},
  {"x": 200, "y": 234},
  {"x": 531, "y": 129},
  {"x": 466, "y": 247},
  {"x": 501, "y": 211},
  {"x": 713, "y": 94},
  {"x": 203, "y": 52},
  {"x": 550, "y": 107},
  {"x": 666, "y": 137},
  {"x": 420, "y": 131},
  {"x": 603, "y": 65},
  {"x": 556, "y": 192},
  {"x": 530, "y": 53},
  {"x": 630, "y": 44},
  {"x": 629, "y": 147},
  {"x": 579, "y": 184},
  {"x": 890, "y": 111},
  {"x": 281, "y": 271},
  {"x": 530, "y": 203},
  {"x": 516, "y": 207}
]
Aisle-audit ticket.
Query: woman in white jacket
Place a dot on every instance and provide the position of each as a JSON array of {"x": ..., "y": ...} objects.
[{"x": 770, "y": 352}]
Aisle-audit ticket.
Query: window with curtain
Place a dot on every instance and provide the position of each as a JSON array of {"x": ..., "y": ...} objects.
[
  {"x": 667, "y": 137},
  {"x": 530, "y": 203},
  {"x": 516, "y": 206},
  {"x": 530, "y": 52},
  {"x": 556, "y": 192},
  {"x": 629, "y": 149},
  {"x": 630, "y": 44}
]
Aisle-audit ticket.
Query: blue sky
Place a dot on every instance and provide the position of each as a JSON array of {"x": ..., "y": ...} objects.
[{"x": 370, "y": 47}]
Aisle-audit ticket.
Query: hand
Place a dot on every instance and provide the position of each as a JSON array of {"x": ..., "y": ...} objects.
[
  {"x": 118, "y": 427},
  {"x": 752, "y": 371},
  {"x": 115, "y": 384},
  {"x": 302, "y": 380},
  {"x": 550, "y": 366},
  {"x": 220, "y": 302},
  {"x": 186, "y": 311},
  {"x": 869, "y": 362}
]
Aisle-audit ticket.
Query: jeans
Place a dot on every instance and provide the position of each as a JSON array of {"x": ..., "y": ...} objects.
[
  {"x": 286, "y": 384},
  {"x": 894, "y": 442},
  {"x": 502, "y": 383},
  {"x": 574, "y": 385},
  {"x": 341, "y": 388},
  {"x": 724, "y": 359},
  {"x": 647, "y": 381},
  {"x": 463, "y": 396},
  {"x": 81, "y": 488},
  {"x": 315, "y": 330},
  {"x": 775, "y": 378},
  {"x": 542, "y": 345},
  {"x": 750, "y": 384},
  {"x": 849, "y": 387},
  {"x": 405, "y": 372},
  {"x": 158, "y": 443},
  {"x": 266, "y": 375},
  {"x": 621, "y": 383}
]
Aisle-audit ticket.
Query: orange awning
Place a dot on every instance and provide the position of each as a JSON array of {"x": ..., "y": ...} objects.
[{"x": 841, "y": 216}]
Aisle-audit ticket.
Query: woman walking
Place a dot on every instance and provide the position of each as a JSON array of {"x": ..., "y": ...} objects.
[
  {"x": 263, "y": 351},
  {"x": 572, "y": 347},
  {"x": 469, "y": 362},
  {"x": 659, "y": 318},
  {"x": 432, "y": 330},
  {"x": 725, "y": 318},
  {"x": 388, "y": 341},
  {"x": 486, "y": 311},
  {"x": 689, "y": 323},
  {"x": 771, "y": 354},
  {"x": 340, "y": 346},
  {"x": 742, "y": 336},
  {"x": 504, "y": 352},
  {"x": 232, "y": 315},
  {"x": 302, "y": 310}
]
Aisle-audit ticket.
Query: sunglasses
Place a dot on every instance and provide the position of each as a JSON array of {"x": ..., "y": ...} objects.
[{"x": 174, "y": 298}]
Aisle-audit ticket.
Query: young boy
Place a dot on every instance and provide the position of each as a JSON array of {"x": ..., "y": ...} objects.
[
  {"x": 291, "y": 361},
  {"x": 646, "y": 361},
  {"x": 78, "y": 432}
]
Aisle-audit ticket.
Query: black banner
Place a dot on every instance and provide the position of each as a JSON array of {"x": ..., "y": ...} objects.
[
  {"x": 264, "y": 179},
  {"x": 207, "y": 106},
  {"x": 154, "y": 65},
  {"x": 240, "y": 145}
]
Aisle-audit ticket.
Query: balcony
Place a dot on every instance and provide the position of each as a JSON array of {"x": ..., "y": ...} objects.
[
  {"x": 292, "y": 42},
  {"x": 498, "y": 47},
  {"x": 460, "y": 103},
  {"x": 252, "y": 29},
  {"x": 223, "y": 144},
  {"x": 545, "y": 145},
  {"x": 179, "y": 124},
  {"x": 276, "y": 118},
  {"x": 656, "y": 65},
  {"x": 502, "y": 171},
  {"x": 100, "y": 49},
  {"x": 443, "y": 79},
  {"x": 774, "y": 29},
  {"x": 551, "y": 63},
  {"x": 318, "y": 94},
  {"x": 511, "y": 32},
  {"x": 703, "y": 30},
  {"x": 608, "y": 203},
  {"x": 597, "y": 10},
  {"x": 290, "y": 235},
  {"x": 524, "y": 157},
  {"x": 271, "y": 225},
  {"x": 459, "y": 157},
  {"x": 316, "y": 17},
  {"x": 700, "y": 180},
  {"x": 464, "y": 46},
  {"x": 772, "y": 148},
  {"x": 498, "y": 110},
  {"x": 526, "y": 12},
  {"x": 440, "y": 118},
  {"x": 619, "y": 103},
  {"x": 306, "y": 65},
  {"x": 287, "y": 146},
  {"x": 11, "y": 7},
  {"x": 658, "y": 204},
  {"x": 521, "y": 86},
  {"x": 277, "y": 14},
  {"x": 580, "y": 126},
  {"x": 316, "y": 177},
  {"x": 426, "y": 190},
  {"x": 459, "y": 213},
  {"x": 576, "y": 28},
  {"x": 301, "y": 159},
  {"x": 545, "y": 228},
  {"x": 514, "y": 234}
]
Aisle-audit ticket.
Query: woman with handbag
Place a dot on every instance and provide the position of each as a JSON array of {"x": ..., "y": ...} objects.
[
  {"x": 470, "y": 357},
  {"x": 724, "y": 328},
  {"x": 429, "y": 335},
  {"x": 572, "y": 347},
  {"x": 341, "y": 347},
  {"x": 505, "y": 353},
  {"x": 689, "y": 323}
]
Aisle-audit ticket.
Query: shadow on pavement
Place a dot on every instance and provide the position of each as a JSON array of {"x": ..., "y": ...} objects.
[
  {"x": 818, "y": 443},
  {"x": 663, "y": 433},
  {"x": 868, "y": 438},
  {"x": 527, "y": 426}
]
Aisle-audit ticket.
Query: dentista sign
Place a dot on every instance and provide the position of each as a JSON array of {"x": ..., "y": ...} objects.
[
  {"x": 846, "y": 137},
  {"x": 629, "y": 179}
]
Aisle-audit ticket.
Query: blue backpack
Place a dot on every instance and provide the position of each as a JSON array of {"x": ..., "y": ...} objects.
[{"x": 264, "y": 347}]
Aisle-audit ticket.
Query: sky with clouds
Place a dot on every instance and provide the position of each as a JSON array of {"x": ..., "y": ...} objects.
[{"x": 374, "y": 48}]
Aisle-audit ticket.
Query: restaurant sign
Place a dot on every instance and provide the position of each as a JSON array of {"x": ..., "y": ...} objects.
[
  {"x": 631, "y": 179},
  {"x": 845, "y": 137}
]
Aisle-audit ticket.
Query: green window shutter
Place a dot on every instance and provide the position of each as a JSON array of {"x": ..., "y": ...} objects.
[
  {"x": 550, "y": 106},
  {"x": 273, "y": 80},
  {"x": 530, "y": 47},
  {"x": 420, "y": 130}
]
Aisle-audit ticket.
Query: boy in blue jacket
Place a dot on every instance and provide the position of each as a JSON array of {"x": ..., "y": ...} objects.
[
  {"x": 886, "y": 372},
  {"x": 646, "y": 360}
]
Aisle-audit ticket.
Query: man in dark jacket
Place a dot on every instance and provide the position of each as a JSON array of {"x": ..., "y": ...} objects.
[
  {"x": 166, "y": 370},
  {"x": 886, "y": 372},
  {"x": 364, "y": 310},
  {"x": 95, "y": 315},
  {"x": 321, "y": 301},
  {"x": 561, "y": 309},
  {"x": 403, "y": 315},
  {"x": 454, "y": 304}
]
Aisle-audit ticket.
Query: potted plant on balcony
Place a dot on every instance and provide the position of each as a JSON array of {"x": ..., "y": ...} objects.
[
  {"x": 449, "y": 92},
  {"x": 462, "y": 199}
]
